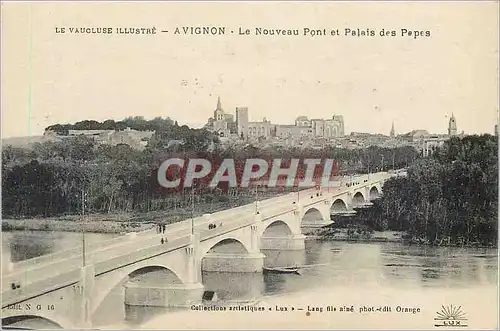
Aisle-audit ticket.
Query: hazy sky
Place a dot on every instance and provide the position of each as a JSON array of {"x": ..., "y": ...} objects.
[{"x": 50, "y": 78}]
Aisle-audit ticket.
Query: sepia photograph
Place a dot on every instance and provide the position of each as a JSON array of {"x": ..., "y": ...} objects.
[{"x": 249, "y": 165}]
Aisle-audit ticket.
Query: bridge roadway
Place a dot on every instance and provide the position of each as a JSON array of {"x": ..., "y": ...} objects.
[{"x": 53, "y": 271}]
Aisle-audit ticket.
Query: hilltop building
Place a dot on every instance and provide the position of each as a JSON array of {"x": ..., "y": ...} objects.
[
  {"x": 221, "y": 123},
  {"x": 224, "y": 125},
  {"x": 133, "y": 138},
  {"x": 242, "y": 122}
]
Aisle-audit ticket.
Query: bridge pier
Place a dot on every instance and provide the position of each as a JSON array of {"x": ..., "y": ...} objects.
[
  {"x": 170, "y": 295},
  {"x": 291, "y": 242},
  {"x": 83, "y": 295},
  {"x": 150, "y": 295},
  {"x": 193, "y": 266},
  {"x": 253, "y": 261}
]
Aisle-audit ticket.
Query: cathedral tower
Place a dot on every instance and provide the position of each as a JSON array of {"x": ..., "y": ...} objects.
[
  {"x": 452, "y": 126},
  {"x": 219, "y": 113},
  {"x": 242, "y": 122},
  {"x": 392, "y": 134}
]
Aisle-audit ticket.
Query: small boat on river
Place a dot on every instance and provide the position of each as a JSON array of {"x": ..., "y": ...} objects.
[{"x": 281, "y": 270}]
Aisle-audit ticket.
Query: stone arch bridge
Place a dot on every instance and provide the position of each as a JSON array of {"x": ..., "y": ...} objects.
[{"x": 58, "y": 289}]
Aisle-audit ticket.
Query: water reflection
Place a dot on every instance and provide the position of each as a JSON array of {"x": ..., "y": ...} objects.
[
  {"x": 232, "y": 286},
  {"x": 285, "y": 258},
  {"x": 440, "y": 266}
]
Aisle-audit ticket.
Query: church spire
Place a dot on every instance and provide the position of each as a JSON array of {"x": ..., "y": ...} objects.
[
  {"x": 219, "y": 106},
  {"x": 392, "y": 134}
]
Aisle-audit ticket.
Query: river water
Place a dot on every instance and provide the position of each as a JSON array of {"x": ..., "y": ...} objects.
[{"x": 332, "y": 265}]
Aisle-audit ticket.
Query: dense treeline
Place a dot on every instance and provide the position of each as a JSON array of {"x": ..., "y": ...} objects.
[
  {"x": 136, "y": 123},
  {"x": 48, "y": 179},
  {"x": 449, "y": 198}
]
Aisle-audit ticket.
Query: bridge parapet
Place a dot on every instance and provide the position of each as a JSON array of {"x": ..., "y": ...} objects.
[
  {"x": 137, "y": 254},
  {"x": 31, "y": 290}
]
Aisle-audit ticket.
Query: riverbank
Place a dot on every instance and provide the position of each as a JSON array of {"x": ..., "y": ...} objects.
[
  {"x": 343, "y": 234},
  {"x": 119, "y": 222},
  {"x": 366, "y": 235}
]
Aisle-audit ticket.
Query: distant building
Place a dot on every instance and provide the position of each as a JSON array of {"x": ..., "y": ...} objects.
[
  {"x": 224, "y": 125},
  {"x": 221, "y": 123},
  {"x": 428, "y": 143},
  {"x": 424, "y": 141},
  {"x": 361, "y": 134},
  {"x": 327, "y": 128},
  {"x": 89, "y": 133},
  {"x": 293, "y": 131},
  {"x": 431, "y": 143},
  {"x": 262, "y": 129},
  {"x": 133, "y": 138},
  {"x": 242, "y": 122},
  {"x": 414, "y": 135},
  {"x": 452, "y": 126},
  {"x": 392, "y": 133}
]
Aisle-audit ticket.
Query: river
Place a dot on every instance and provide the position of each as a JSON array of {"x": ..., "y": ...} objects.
[{"x": 334, "y": 265}]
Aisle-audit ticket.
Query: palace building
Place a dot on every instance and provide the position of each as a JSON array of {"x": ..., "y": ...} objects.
[{"x": 225, "y": 126}]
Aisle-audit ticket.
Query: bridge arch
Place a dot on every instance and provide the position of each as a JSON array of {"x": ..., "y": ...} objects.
[
  {"x": 277, "y": 228},
  {"x": 358, "y": 198},
  {"x": 165, "y": 275},
  {"x": 374, "y": 193},
  {"x": 338, "y": 205},
  {"x": 23, "y": 320},
  {"x": 312, "y": 214},
  {"x": 227, "y": 245},
  {"x": 137, "y": 273}
]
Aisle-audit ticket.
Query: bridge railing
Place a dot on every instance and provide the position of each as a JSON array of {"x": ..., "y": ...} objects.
[{"x": 28, "y": 291}]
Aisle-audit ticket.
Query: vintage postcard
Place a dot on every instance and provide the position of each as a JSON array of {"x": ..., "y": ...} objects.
[{"x": 249, "y": 165}]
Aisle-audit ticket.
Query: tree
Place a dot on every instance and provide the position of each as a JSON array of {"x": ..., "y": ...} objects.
[{"x": 450, "y": 197}]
